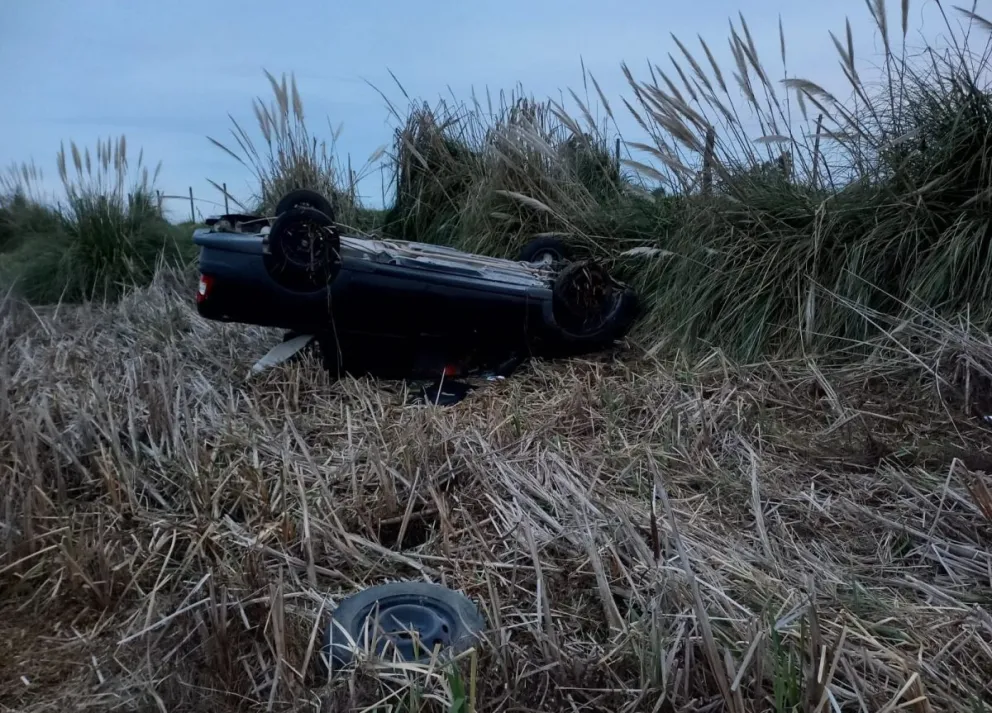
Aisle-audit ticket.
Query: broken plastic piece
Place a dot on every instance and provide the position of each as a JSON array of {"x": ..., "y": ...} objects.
[{"x": 281, "y": 353}]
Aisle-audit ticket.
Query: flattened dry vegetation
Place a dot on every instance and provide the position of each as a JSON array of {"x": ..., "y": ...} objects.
[{"x": 640, "y": 535}]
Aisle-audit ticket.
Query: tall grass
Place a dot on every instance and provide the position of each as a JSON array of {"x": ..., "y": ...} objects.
[
  {"x": 484, "y": 177},
  {"x": 881, "y": 199},
  {"x": 290, "y": 157},
  {"x": 106, "y": 234},
  {"x": 22, "y": 212},
  {"x": 542, "y": 171},
  {"x": 489, "y": 177}
]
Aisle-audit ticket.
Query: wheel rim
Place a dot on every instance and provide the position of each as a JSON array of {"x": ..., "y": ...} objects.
[
  {"x": 586, "y": 300},
  {"x": 411, "y": 625},
  {"x": 303, "y": 245},
  {"x": 412, "y": 629}
]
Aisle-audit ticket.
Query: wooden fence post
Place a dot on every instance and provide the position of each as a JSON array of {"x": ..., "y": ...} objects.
[
  {"x": 192, "y": 210},
  {"x": 227, "y": 211}
]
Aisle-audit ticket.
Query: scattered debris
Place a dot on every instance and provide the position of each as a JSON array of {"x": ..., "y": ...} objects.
[
  {"x": 646, "y": 251},
  {"x": 282, "y": 352}
]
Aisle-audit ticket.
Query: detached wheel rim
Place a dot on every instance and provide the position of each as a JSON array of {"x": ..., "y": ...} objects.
[
  {"x": 413, "y": 629},
  {"x": 409, "y": 620}
]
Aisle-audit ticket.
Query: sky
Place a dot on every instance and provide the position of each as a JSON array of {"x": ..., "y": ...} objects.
[{"x": 169, "y": 75}]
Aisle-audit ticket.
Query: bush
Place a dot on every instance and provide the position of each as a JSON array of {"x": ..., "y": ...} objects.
[
  {"x": 881, "y": 201},
  {"x": 21, "y": 219},
  {"x": 108, "y": 234},
  {"x": 21, "y": 212},
  {"x": 489, "y": 181}
]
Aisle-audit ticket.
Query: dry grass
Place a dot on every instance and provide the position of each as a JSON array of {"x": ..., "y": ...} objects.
[{"x": 640, "y": 536}]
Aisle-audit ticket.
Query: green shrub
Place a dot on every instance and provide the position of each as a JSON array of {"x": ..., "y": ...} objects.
[
  {"x": 22, "y": 213},
  {"x": 21, "y": 219},
  {"x": 882, "y": 201},
  {"x": 109, "y": 233},
  {"x": 489, "y": 180}
]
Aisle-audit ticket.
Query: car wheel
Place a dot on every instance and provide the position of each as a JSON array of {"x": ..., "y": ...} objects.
[
  {"x": 545, "y": 250},
  {"x": 438, "y": 616},
  {"x": 304, "y": 249},
  {"x": 591, "y": 309},
  {"x": 304, "y": 198}
]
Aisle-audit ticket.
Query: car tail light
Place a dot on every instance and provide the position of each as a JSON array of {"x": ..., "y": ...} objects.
[{"x": 206, "y": 286}]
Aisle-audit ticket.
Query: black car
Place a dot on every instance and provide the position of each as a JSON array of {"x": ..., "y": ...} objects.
[{"x": 401, "y": 309}]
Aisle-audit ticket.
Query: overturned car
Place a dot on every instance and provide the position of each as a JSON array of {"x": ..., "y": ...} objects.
[{"x": 400, "y": 309}]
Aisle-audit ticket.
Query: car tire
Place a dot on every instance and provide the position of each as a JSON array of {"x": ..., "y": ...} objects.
[
  {"x": 459, "y": 623},
  {"x": 304, "y": 198},
  {"x": 540, "y": 250},
  {"x": 304, "y": 250},
  {"x": 581, "y": 328}
]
